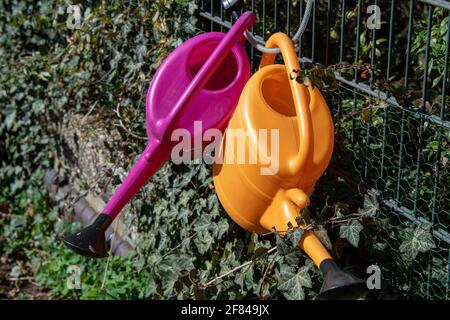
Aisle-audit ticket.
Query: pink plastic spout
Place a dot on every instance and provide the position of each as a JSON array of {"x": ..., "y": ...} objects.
[
  {"x": 90, "y": 241},
  {"x": 153, "y": 157}
]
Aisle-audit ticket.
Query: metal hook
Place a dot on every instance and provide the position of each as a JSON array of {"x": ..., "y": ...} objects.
[{"x": 233, "y": 5}]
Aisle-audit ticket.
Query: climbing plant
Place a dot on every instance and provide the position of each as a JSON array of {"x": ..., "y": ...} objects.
[{"x": 93, "y": 62}]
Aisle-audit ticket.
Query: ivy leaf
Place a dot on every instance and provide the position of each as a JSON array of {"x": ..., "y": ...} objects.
[
  {"x": 201, "y": 223},
  {"x": 292, "y": 283},
  {"x": 304, "y": 277},
  {"x": 259, "y": 252},
  {"x": 282, "y": 247},
  {"x": 15, "y": 272},
  {"x": 350, "y": 231},
  {"x": 150, "y": 288},
  {"x": 371, "y": 206},
  {"x": 10, "y": 118},
  {"x": 292, "y": 258},
  {"x": 304, "y": 217},
  {"x": 222, "y": 228},
  {"x": 294, "y": 236},
  {"x": 204, "y": 242},
  {"x": 322, "y": 234},
  {"x": 421, "y": 241},
  {"x": 245, "y": 278}
]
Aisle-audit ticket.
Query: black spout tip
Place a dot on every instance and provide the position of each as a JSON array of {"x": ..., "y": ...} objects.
[
  {"x": 339, "y": 285},
  {"x": 90, "y": 241}
]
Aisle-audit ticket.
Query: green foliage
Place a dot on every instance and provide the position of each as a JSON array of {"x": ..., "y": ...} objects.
[
  {"x": 294, "y": 236},
  {"x": 185, "y": 245},
  {"x": 292, "y": 284},
  {"x": 322, "y": 234},
  {"x": 420, "y": 240},
  {"x": 438, "y": 45},
  {"x": 371, "y": 206},
  {"x": 350, "y": 231}
]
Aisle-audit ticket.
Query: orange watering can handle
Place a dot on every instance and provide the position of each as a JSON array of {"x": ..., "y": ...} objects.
[
  {"x": 297, "y": 166},
  {"x": 300, "y": 96}
]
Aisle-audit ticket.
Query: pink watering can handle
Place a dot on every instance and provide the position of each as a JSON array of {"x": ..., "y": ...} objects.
[{"x": 236, "y": 34}]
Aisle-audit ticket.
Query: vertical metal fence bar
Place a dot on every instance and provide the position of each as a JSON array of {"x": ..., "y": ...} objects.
[
  {"x": 448, "y": 273},
  {"x": 341, "y": 45},
  {"x": 446, "y": 69},
  {"x": 221, "y": 18},
  {"x": 356, "y": 61},
  {"x": 388, "y": 76},
  {"x": 409, "y": 39},
  {"x": 301, "y": 38},
  {"x": 430, "y": 274},
  {"x": 358, "y": 34},
  {"x": 252, "y": 50},
  {"x": 373, "y": 52},
  {"x": 288, "y": 18},
  {"x": 421, "y": 129},
  {"x": 275, "y": 13},
  {"x": 313, "y": 42},
  {"x": 353, "y": 119},
  {"x": 427, "y": 58},
  {"x": 383, "y": 151},
  {"x": 391, "y": 36},
  {"x": 327, "y": 44},
  {"x": 424, "y": 102},
  {"x": 400, "y": 157},
  {"x": 212, "y": 14},
  {"x": 406, "y": 85},
  {"x": 367, "y": 143},
  {"x": 369, "y": 123},
  {"x": 264, "y": 21}
]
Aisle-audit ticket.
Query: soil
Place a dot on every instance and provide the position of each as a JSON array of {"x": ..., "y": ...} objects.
[{"x": 20, "y": 288}]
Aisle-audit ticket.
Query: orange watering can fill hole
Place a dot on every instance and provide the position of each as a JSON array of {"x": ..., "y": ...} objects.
[{"x": 274, "y": 100}]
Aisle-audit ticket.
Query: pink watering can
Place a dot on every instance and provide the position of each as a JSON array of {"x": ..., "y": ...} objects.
[{"x": 201, "y": 80}]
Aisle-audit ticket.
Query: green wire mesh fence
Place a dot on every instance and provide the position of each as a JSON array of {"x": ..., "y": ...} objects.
[{"x": 391, "y": 110}]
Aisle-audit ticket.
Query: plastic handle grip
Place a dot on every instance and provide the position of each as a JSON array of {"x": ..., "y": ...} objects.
[{"x": 301, "y": 99}]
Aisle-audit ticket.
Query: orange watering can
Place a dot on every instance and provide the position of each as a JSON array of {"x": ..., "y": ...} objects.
[{"x": 299, "y": 118}]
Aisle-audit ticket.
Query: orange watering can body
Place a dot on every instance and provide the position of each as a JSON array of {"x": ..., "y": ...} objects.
[{"x": 274, "y": 100}]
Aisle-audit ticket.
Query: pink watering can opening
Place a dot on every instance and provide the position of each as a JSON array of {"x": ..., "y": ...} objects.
[
  {"x": 227, "y": 69},
  {"x": 201, "y": 80}
]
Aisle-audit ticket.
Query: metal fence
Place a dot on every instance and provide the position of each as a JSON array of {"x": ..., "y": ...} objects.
[{"x": 392, "y": 124}]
